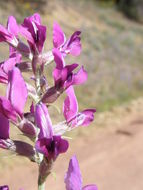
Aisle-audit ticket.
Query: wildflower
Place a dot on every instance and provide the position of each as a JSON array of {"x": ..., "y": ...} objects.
[
  {"x": 48, "y": 144},
  {"x": 73, "y": 117},
  {"x": 34, "y": 32},
  {"x": 63, "y": 78}
]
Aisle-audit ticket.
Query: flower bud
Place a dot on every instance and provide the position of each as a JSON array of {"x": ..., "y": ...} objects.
[{"x": 28, "y": 128}]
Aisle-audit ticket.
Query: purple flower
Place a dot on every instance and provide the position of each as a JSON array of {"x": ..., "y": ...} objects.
[
  {"x": 48, "y": 144},
  {"x": 64, "y": 77},
  {"x": 10, "y": 33},
  {"x": 72, "y": 45},
  {"x": 71, "y": 114},
  {"x": 73, "y": 179},
  {"x": 34, "y": 32},
  {"x": 13, "y": 105},
  {"x": 4, "y": 187}
]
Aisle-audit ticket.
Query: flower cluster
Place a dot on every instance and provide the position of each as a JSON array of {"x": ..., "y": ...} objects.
[{"x": 36, "y": 124}]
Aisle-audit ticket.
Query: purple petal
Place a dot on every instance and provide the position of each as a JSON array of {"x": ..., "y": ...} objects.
[
  {"x": 3, "y": 75},
  {"x": 9, "y": 64},
  {"x": 58, "y": 36},
  {"x": 59, "y": 60},
  {"x": 26, "y": 34},
  {"x": 73, "y": 179},
  {"x": 83, "y": 118},
  {"x": 17, "y": 91},
  {"x": 61, "y": 144},
  {"x": 90, "y": 187},
  {"x": 4, "y": 187},
  {"x": 12, "y": 26},
  {"x": 88, "y": 116},
  {"x": 80, "y": 77},
  {"x": 70, "y": 107},
  {"x": 41, "y": 146},
  {"x": 4, "y": 34},
  {"x": 36, "y": 18},
  {"x": 41, "y": 37},
  {"x": 52, "y": 147},
  {"x": 7, "y": 109},
  {"x": 43, "y": 121},
  {"x": 4, "y": 127},
  {"x": 64, "y": 78},
  {"x": 34, "y": 32},
  {"x": 73, "y": 45}
]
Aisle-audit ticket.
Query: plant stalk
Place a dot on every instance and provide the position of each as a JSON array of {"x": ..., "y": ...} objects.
[{"x": 41, "y": 186}]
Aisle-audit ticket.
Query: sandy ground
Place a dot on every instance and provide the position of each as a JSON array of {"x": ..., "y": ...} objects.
[{"x": 111, "y": 157}]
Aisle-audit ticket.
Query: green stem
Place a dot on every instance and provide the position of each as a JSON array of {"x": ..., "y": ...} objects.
[
  {"x": 44, "y": 171},
  {"x": 41, "y": 186}
]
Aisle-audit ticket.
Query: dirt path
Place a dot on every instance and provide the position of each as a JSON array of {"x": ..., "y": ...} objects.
[{"x": 111, "y": 157}]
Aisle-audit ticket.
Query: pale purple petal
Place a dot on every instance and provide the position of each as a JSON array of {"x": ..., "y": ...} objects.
[
  {"x": 4, "y": 127},
  {"x": 59, "y": 60},
  {"x": 26, "y": 34},
  {"x": 3, "y": 75},
  {"x": 36, "y": 17},
  {"x": 83, "y": 118},
  {"x": 73, "y": 179},
  {"x": 43, "y": 121},
  {"x": 70, "y": 107},
  {"x": 58, "y": 36},
  {"x": 80, "y": 77},
  {"x": 4, "y": 34},
  {"x": 9, "y": 64},
  {"x": 17, "y": 91},
  {"x": 73, "y": 45},
  {"x": 12, "y": 26},
  {"x": 60, "y": 128},
  {"x": 88, "y": 116},
  {"x": 90, "y": 187}
]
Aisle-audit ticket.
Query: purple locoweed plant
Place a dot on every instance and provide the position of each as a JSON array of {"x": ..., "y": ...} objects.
[{"x": 48, "y": 140}]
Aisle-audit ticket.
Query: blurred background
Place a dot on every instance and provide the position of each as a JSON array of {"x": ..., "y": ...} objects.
[{"x": 110, "y": 152}]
